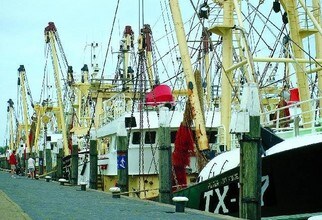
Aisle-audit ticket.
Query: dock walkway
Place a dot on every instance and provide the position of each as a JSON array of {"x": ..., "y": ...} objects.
[{"x": 24, "y": 198}]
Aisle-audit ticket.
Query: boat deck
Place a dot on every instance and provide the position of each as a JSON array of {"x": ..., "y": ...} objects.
[{"x": 24, "y": 198}]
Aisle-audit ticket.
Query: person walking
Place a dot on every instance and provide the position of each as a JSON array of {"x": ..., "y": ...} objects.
[
  {"x": 31, "y": 167},
  {"x": 13, "y": 163}
]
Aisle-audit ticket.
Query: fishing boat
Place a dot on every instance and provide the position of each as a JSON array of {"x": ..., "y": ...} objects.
[
  {"x": 131, "y": 117},
  {"x": 268, "y": 46},
  {"x": 290, "y": 135}
]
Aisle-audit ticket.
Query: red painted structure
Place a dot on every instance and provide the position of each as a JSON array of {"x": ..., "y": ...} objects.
[{"x": 160, "y": 94}]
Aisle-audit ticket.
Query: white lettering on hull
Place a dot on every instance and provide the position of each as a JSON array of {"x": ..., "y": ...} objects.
[{"x": 221, "y": 197}]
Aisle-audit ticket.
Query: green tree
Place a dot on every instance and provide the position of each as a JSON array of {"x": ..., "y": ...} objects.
[{"x": 3, "y": 150}]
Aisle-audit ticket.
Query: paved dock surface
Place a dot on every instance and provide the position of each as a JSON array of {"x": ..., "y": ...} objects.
[{"x": 24, "y": 198}]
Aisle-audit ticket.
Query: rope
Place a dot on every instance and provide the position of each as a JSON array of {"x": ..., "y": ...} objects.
[
  {"x": 102, "y": 75},
  {"x": 61, "y": 49},
  {"x": 29, "y": 91},
  {"x": 309, "y": 51},
  {"x": 135, "y": 191},
  {"x": 45, "y": 174},
  {"x": 141, "y": 78},
  {"x": 7, "y": 133},
  {"x": 44, "y": 76},
  {"x": 168, "y": 40}
]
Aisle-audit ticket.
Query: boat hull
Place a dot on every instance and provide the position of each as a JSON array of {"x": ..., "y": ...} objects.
[{"x": 291, "y": 184}]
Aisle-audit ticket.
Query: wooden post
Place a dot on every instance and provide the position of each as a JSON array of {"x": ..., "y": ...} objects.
[
  {"x": 250, "y": 176},
  {"x": 25, "y": 162},
  {"x": 93, "y": 164},
  {"x": 59, "y": 171},
  {"x": 165, "y": 163},
  {"x": 27, "y": 157},
  {"x": 74, "y": 164},
  {"x": 122, "y": 162},
  {"x": 48, "y": 161},
  {"x": 23, "y": 159},
  {"x": 43, "y": 153},
  {"x": 250, "y": 159},
  {"x": 41, "y": 162},
  {"x": 8, "y": 165},
  {"x": 20, "y": 162}
]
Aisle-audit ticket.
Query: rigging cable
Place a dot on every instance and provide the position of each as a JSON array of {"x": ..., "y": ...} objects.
[
  {"x": 309, "y": 51},
  {"x": 6, "y": 134},
  {"x": 105, "y": 59},
  {"x": 172, "y": 43},
  {"x": 272, "y": 23},
  {"x": 263, "y": 75},
  {"x": 294, "y": 43},
  {"x": 44, "y": 76}
]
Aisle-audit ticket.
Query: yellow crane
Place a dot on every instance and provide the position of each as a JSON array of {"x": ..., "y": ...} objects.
[
  {"x": 10, "y": 111},
  {"x": 26, "y": 126},
  {"x": 191, "y": 82},
  {"x": 51, "y": 39}
]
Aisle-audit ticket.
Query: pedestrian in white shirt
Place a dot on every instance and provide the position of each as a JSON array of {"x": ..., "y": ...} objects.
[{"x": 31, "y": 166}]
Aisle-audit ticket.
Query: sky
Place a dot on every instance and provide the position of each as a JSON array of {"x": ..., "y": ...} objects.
[{"x": 78, "y": 23}]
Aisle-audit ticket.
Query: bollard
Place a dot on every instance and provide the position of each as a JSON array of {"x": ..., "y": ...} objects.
[
  {"x": 83, "y": 186},
  {"x": 180, "y": 202},
  {"x": 62, "y": 181},
  {"x": 48, "y": 178},
  {"x": 115, "y": 192}
]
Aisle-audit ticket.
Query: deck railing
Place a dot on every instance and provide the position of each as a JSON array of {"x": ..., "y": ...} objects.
[
  {"x": 281, "y": 122},
  {"x": 113, "y": 108}
]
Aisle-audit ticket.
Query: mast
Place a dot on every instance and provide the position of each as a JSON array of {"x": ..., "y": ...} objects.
[
  {"x": 125, "y": 49},
  {"x": 225, "y": 30},
  {"x": 50, "y": 38},
  {"x": 191, "y": 84},
  {"x": 206, "y": 45},
  {"x": 145, "y": 45}
]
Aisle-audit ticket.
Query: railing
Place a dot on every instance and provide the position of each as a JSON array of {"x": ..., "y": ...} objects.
[
  {"x": 305, "y": 21},
  {"x": 294, "y": 120},
  {"x": 112, "y": 109}
]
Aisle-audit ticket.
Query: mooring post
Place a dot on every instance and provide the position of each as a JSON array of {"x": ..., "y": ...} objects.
[
  {"x": 48, "y": 159},
  {"x": 115, "y": 192},
  {"x": 19, "y": 160},
  {"x": 74, "y": 162},
  {"x": 41, "y": 162},
  {"x": 93, "y": 164},
  {"x": 24, "y": 160},
  {"x": 165, "y": 163},
  {"x": 250, "y": 159},
  {"x": 59, "y": 172},
  {"x": 83, "y": 186},
  {"x": 122, "y": 159},
  {"x": 180, "y": 203}
]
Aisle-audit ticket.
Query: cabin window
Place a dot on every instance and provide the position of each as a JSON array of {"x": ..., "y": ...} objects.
[
  {"x": 173, "y": 136},
  {"x": 149, "y": 137},
  {"x": 108, "y": 142},
  {"x": 113, "y": 143},
  {"x": 136, "y": 137},
  {"x": 212, "y": 136}
]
